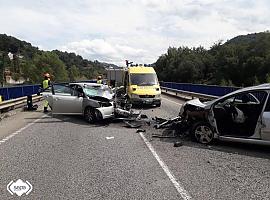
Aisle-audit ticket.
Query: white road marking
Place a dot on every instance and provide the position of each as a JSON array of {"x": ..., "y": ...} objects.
[
  {"x": 184, "y": 194},
  {"x": 180, "y": 104},
  {"x": 20, "y": 130},
  {"x": 109, "y": 138}
]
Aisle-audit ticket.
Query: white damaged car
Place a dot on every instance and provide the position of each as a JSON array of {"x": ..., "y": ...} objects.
[{"x": 243, "y": 116}]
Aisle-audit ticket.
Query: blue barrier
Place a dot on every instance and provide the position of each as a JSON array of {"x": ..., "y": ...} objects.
[
  {"x": 18, "y": 91},
  {"x": 199, "y": 88},
  {"x": 14, "y": 92}
]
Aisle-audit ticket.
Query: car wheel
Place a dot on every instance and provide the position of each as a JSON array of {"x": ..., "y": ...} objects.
[
  {"x": 89, "y": 115},
  {"x": 202, "y": 132},
  {"x": 158, "y": 104}
]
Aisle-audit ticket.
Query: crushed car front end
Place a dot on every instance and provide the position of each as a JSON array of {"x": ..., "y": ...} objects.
[{"x": 197, "y": 120}]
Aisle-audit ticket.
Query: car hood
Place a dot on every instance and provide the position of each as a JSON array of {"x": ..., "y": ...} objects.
[
  {"x": 101, "y": 98},
  {"x": 198, "y": 103}
]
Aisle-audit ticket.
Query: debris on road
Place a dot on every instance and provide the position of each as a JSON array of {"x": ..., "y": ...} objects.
[
  {"x": 163, "y": 123},
  {"x": 130, "y": 124},
  {"x": 140, "y": 131},
  {"x": 178, "y": 144}
]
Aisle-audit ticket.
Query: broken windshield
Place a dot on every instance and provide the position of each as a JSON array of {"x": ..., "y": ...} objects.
[
  {"x": 98, "y": 91},
  {"x": 143, "y": 79}
]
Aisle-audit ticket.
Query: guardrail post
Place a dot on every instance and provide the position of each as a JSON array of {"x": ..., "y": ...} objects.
[
  {"x": 22, "y": 92},
  {"x": 7, "y": 94}
]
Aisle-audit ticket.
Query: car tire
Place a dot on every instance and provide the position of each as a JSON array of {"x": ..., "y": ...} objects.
[
  {"x": 89, "y": 115},
  {"x": 202, "y": 132},
  {"x": 158, "y": 104}
]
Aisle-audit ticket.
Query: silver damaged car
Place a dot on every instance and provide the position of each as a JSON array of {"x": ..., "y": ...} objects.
[
  {"x": 243, "y": 116},
  {"x": 93, "y": 101}
]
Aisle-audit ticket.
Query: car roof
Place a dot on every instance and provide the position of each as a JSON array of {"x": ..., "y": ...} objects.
[
  {"x": 83, "y": 84},
  {"x": 86, "y": 83},
  {"x": 265, "y": 86}
]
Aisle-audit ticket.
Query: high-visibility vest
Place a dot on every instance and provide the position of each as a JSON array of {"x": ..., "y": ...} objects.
[
  {"x": 45, "y": 84},
  {"x": 99, "y": 81}
]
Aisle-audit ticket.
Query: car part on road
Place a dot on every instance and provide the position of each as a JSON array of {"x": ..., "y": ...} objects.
[
  {"x": 130, "y": 124},
  {"x": 140, "y": 130},
  {"x": 165, "y": 122},
  {"x": 178, "y": 144}
]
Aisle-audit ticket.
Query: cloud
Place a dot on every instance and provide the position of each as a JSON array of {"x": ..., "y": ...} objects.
[
  {"x": 138, "y": 30},
  {"x": 99, "y": 49}
]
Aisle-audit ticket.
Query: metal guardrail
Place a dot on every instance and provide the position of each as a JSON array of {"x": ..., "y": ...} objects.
[
  {"x": 186, "y": 95},
  {"x": 16, "y": 103},
  {"x": 211, "y": 90}
]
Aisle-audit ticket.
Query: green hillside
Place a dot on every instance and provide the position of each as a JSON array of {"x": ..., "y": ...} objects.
[
  {"x": 241, "y": 61},
  {"x": 30, "y": 63}
]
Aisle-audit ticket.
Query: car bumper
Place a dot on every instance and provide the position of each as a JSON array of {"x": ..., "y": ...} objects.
[
  {"x": 106, "y": 112},
  {"x": 146, "y": 101}
]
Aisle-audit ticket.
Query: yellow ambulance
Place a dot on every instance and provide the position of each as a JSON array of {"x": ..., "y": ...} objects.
[{"x": 142, "y": 86}]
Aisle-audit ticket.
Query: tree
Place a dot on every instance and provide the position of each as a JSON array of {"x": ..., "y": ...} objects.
[
  {"x": 74, "y": 73},
  {"x": 50, "y": 62}
]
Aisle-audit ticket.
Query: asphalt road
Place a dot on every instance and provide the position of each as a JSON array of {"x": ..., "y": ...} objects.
[{"x": 65, "y": 158}]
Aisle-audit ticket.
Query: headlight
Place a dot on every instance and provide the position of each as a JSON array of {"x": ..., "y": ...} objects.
[{"x": 105, "y": 104}]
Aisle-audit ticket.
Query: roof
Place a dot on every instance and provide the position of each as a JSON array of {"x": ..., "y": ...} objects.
[
  {"x": 86, "y": 83},
  {"x": 141, "y": 69},
  {"x": 91, "y": 84},
  {"x": 265, "y": 86}
]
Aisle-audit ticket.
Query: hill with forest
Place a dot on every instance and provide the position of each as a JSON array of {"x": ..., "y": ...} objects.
[
  {"x": 30, "y": 63},
  {"x": 240, "y": 61}
]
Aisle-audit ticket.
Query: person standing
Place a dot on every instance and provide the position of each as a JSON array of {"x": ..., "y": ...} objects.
[
  {"x": 99, "y": 80},
  {"x": 45, "y": 84}
]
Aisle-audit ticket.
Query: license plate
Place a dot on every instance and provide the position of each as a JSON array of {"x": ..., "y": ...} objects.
[{"x": 148, "y": 101}]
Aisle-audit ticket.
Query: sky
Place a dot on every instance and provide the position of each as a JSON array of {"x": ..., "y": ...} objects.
[{"x": 137, "y": 30}]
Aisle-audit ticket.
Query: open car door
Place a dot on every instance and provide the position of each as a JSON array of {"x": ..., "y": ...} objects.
[
  {"x": 265, "y": 131},
  {"x": 66, "y": 100},
  {"x": 239, "y": 114}
]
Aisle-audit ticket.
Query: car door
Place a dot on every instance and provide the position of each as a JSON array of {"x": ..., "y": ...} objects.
[
  {"x": 265, "y": 131},
  {"x": 239, "y": 114},
  {"x": 66, "y": 100}
]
